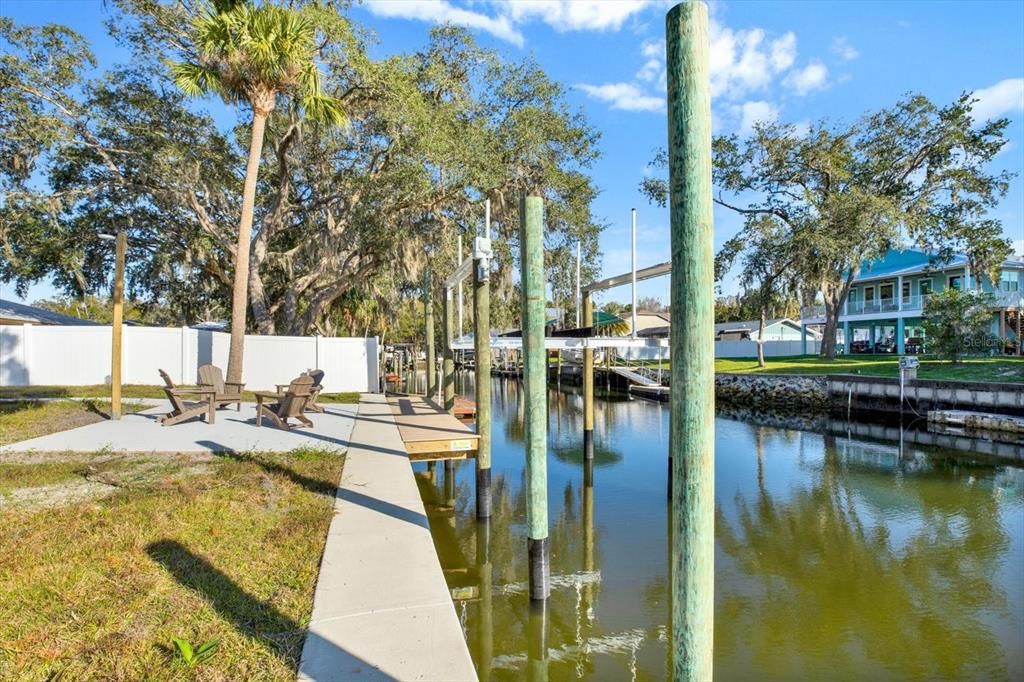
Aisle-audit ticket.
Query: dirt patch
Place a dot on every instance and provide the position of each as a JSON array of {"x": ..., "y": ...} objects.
[{"x": 55, "y": 495}]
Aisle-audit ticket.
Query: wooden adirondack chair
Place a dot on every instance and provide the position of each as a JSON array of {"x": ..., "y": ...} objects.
[
  {"x": 211, "y": 376},
  {"x": 290, "y": 404},
  {"x": 318, "y": 385},
  {"x": 182, "y": 410}
]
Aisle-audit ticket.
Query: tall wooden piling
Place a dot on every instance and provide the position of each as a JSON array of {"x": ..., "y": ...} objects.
[
  {"x": 448, "y": 364},
  {"x": 428, "y": 324},
  {"x": 588, "y": 384},
  {"x": 485, "y": 571},
  {"x": 116, "y": 326},
  {"x": 692, "y": 436},
  {"x": 531, "y": 240},
  {"x": 482, "y": 360}
]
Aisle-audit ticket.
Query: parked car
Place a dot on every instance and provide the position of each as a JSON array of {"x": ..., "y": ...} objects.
[{"x": 860, "y": 346}]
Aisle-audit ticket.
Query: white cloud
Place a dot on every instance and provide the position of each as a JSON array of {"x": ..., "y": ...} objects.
[
  {"x": 1005, "y": 97},
  {"x": 812, "y": 77},
  {"x": 441, "y": 11},
  {"x": 784, "y": 52},
  {"x": 573, "y": 15},
  {"x": 753, "y": 112},
  {"x": 625, "y": 96},
  {"x": 742, "y": 61},
  {"x": 842, "y": 47}
]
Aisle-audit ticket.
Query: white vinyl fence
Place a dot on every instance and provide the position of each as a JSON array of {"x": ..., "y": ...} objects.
[
  {"x": 75, "y": 356},
  {"x": 727, "y": 349}
]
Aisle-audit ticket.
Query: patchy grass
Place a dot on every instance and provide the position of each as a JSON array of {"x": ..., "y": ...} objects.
[
  {"x": 972, "y": 369},
  {"x": 130, "y": 391},
  {"x": 24, "y": 420},
  {"x": 153, "y": 548}
]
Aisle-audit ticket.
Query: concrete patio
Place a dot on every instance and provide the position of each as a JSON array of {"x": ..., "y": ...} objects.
[{"x": 232, "y": 431}]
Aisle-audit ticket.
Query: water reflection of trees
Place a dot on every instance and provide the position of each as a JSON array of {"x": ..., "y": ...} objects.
[{"x": 830, "y": 583}]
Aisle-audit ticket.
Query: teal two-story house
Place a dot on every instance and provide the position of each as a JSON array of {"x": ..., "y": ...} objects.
[{"x": 884, "y": 308}]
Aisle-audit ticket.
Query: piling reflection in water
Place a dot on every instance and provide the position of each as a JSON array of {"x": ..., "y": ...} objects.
[{"x": 836, "y": 557}]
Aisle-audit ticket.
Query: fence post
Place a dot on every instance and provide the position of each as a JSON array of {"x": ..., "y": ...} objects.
[
  {"x": 531, "y": 240},
  {"x": 692, "y": 411}
]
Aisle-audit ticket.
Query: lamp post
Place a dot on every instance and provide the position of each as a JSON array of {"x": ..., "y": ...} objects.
[{"x": 116, "y": 324}]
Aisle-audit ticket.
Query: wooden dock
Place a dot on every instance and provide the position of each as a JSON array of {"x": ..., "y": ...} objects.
[{"x": 428, "y": 432}]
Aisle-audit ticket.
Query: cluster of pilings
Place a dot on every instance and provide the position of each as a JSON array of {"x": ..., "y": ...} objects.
[{"x": 691, "y": 441}]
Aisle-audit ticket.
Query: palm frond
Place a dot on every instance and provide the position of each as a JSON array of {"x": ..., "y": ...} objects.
[{"x": 195, "y": 80}]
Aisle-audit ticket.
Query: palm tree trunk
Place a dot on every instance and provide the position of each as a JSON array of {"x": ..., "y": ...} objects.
[{"x": 239, "y": 294}]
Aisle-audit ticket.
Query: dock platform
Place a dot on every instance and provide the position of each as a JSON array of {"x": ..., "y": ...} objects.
[{"x": 430, "y": 433}]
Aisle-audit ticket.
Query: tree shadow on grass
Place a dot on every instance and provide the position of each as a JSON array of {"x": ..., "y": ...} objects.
[
  {"x": 313, "y": 485},
  {"x": 320, "y": 658},
  {"x": 276, "y": 632}
]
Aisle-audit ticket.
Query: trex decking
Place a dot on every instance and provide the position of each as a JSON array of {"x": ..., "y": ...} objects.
[{"x": 429, "y": 432}]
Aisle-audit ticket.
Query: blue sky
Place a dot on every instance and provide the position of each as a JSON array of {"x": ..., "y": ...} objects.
[{"x": 797, "y": 61}]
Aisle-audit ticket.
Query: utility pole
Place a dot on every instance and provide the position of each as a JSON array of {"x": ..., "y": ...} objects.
[
  {"x": 117, "y": 325},
  {"x": 531, "y": 240},
  {"x": 692, "y": 415},
  {"x": 428, "y": 315},
  {"x": 482, "y": 364}
]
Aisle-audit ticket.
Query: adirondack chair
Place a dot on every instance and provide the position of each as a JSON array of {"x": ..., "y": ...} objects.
[
  {"x": 318, "y": 385},
  {"x": 211, "y": 376},
  {"x": 182, "y": 410},
  {"x": 290, "y": 404}
]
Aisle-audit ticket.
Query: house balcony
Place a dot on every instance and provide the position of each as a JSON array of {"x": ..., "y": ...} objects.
[{"x": 909, "y": 306}]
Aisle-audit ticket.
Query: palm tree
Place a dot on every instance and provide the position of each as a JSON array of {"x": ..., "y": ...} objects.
[{"x": 251, "y": 55}]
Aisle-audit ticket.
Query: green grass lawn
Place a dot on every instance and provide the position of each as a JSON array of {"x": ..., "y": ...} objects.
[
  {"x": 972, "y": 369},
  {"x": 131, "y": 391},
  {"x": 106, "y": 559},
  {"x": 30, "y": 419}
]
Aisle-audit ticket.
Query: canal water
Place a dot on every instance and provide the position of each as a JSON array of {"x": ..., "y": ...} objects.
[{"x": 836, "y": 558}]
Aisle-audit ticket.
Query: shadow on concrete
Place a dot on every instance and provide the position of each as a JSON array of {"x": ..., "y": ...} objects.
[
  {"x": 383, "y": 507},
  {"x": 276, "y": 632}
]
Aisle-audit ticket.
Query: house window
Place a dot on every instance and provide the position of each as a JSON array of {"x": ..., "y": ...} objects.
[
  {"x": 956, "y": 282},
  {"x": 869, "y": 294},
  {"x": 905, "y": 291},
  {"x": 1009, "y": 280},
  {"x": 885, "y": 292},
  {"x": 925, "y": 287}
]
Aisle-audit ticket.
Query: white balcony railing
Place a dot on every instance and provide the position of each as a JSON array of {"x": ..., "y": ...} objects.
[{"x": 1003, "y": 299}]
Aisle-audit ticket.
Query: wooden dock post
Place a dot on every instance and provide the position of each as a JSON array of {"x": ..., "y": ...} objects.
[
  {"x": 692, "y": 422},
  {"x": 485, "y": 569},
  {"x": 448, "y": 363},
  {"x": 117, "y": 326},
  {"x": 535, "y": 376},
  {"x": 428, "y": 323},
  {"x": 482, "y": 360},
  {"x": 588, "y": 385}
]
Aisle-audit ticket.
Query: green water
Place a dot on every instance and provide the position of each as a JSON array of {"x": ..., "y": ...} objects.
[{"x": 837, "y": 558}]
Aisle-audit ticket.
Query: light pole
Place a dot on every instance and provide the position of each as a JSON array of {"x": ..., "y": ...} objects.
[{"x": 121, "y": 245}]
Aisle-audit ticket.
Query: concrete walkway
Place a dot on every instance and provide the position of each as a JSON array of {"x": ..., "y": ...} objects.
[
  {"x": 232, "y": 431},
  {"x": 382, "y": 610}
]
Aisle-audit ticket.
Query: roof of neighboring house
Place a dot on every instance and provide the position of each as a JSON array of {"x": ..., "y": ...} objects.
[
  {"x": 12, "y": 312},
  {"x": 897, "y": 262}
]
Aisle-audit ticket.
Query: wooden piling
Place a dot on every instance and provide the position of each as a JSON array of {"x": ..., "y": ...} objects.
[
  {"x": 428, "y": 323},
  {"x": 588, "y": 381},
  {"x": 448, "y": 364},
  {"x": 531, "y": 240},
  {"x": 117, "y": 326},
  {"x": 691, "y": 439},
  {"x": 482, "y": 351}
]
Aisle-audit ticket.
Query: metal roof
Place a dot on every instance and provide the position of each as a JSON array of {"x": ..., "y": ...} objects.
[{"x": 30, "y": 314}]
